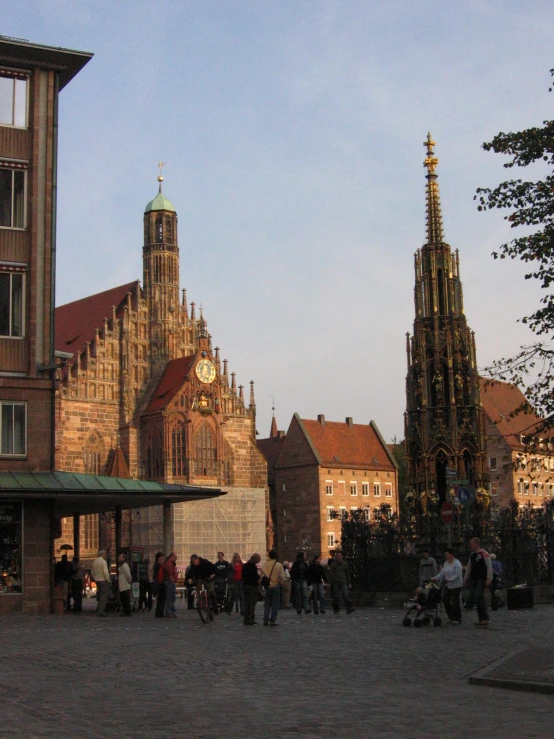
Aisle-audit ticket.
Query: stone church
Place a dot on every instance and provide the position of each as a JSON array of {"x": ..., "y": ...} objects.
[{"x": 146, "y": 396}]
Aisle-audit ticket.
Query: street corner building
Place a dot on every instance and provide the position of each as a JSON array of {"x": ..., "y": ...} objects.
[
  {"x": 146, "y": 395},
  {"x": 31, "y": 78},
  {"x": 319, "y": 470}
]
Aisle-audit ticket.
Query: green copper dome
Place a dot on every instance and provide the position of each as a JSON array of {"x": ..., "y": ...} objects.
[{"x": 160, "y": 203}]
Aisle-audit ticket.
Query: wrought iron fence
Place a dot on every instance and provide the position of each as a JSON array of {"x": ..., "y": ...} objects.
[{"x": 384, "y": 553}]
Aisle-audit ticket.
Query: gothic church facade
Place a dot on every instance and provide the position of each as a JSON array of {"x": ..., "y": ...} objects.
[{"x": 147, "y": 393}]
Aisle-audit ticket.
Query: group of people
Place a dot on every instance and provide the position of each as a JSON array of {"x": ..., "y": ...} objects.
[
  {"x": 70, "y": 576},
  {"x": 482, "y": 572},
  {"x": 230, "y": 585}
]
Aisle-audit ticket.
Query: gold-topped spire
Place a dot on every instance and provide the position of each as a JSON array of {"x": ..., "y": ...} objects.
[
  {"x": 434, "y": 218},
  {"x": 160, "y": 176}
]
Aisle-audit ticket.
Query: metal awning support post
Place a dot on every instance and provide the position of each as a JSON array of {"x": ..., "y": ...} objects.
[
  {"x": 76, "y": 536},
  {"x": 117, "y": 521}
]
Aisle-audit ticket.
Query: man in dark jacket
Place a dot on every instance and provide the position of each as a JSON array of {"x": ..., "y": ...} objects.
[
  {"x": 339, "y": 577},
  {"x": 222, "y": 568},
  {"x": 317, "y": 577},
  {"x": 299, "y": 578},
  {"x": 203, "y": 571},
  {"x": 250, "y": 584}
]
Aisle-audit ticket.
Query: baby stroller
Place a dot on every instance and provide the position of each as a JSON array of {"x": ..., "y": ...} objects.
[{"x": 424, "y": 607}]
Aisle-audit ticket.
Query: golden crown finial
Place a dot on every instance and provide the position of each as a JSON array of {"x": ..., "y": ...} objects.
[{"x": 430, "y": 161}]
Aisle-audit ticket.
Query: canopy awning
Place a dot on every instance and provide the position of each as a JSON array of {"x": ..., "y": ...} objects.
[{"x": 73, "y": 493}]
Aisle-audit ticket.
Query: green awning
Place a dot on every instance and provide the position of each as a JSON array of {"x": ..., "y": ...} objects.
[{"x": 74, "y": 493}]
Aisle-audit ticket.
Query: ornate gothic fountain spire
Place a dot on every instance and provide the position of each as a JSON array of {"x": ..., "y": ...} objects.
[{"x": 434, "y": 217}]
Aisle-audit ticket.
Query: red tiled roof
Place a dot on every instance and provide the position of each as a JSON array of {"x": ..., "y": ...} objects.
[
  {"x": 118, "y": 466},
  {"x": 339, "y": 444},
  {"x": 171, "y": 382},
  {"x": 499, "y": 400},
  {"x": 76, "y": 322}
]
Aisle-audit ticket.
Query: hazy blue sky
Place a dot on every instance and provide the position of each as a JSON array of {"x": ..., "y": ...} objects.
[{"x": 292, "y": 134}]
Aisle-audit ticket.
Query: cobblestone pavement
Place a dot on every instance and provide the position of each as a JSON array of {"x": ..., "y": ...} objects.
[{"x": 362, "y": 675}]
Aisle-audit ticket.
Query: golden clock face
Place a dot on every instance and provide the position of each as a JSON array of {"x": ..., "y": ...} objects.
[{"x": 205, "y": 371}]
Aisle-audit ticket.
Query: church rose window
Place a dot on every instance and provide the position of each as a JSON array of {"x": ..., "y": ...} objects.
[{"x": 205, "y": 452}]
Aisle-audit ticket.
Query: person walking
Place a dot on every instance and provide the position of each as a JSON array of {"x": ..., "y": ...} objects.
[
  {"x": 124, "y": 580},
  {"x": 237, "y": 594},
  {"x": 478, "y": 577},
  {"x": 286, "y": 586},
  {"x": 251, "y": 586},
  {"x": 170, "y": 584},
  {"x": 450, "y": 579},
  {"x": 427, "y": 568},
  {"x": 159, "y": 585},
  {"x": 339, "y": 578},
  {"x": 77, "y": 577},
  {"x": 100, "y": 574},
  {"x": 317, "y": 577},
  {"x": 275, "y": 575},
  {"x": 299, "y": 578}
]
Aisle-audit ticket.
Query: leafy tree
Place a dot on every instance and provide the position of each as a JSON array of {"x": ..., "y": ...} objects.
[{"x": 531, "y": 206}]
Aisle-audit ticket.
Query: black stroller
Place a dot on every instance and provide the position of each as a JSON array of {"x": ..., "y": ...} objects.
[{"x": 425, "y": 607}]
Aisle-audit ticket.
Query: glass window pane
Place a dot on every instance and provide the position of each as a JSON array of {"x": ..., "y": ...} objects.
[
  {"x": 20, "y": 107},
  {"x": 7, "y": 429},
  {"x": 4, "y": 304},
  {"x": 6, "y": 100},
  {"x": 19, "y": 429},
  {"x": 5, "y": 197},
  {"x": 18, "y": 199},
  {"x": 17, "y": 305}
]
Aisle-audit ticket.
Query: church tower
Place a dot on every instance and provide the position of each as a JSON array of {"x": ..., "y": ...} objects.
[
  {"x": 161, "y": 275},
  {"x": 444, "y": 421}
]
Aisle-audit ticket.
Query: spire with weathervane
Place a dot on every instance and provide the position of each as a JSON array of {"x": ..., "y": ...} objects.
[{"x": 444, "y": 422}]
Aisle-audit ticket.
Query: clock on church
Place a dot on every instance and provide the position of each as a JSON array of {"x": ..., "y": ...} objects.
[{"x": 205, "y": 371}]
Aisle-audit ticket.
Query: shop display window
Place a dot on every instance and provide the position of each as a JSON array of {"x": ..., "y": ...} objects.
[{"x": 11, "y": 518}]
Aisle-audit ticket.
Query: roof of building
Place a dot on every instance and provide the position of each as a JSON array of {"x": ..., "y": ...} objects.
[
  {"x": 22, "y": 53},
  {"x": 170, "y": 383},
  {"x": 118, "y": 466},
  {"x": 160, "y": 202},
  {"x": 77, "y": 322},
  {"x": 501, "y": 399},
  {"x": 345, "y": 445},
  {"x": 271, "y": 448}
]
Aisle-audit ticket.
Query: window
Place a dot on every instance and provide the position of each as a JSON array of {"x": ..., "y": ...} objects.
[
  {"x": 11, "y": 303},
  {"x": 12, "y": 197},
  {"x": 205, "y": 452},
  {"x": 367, "y": 512},
  {"x": 388, "y": 490},
  {"x": 353, "y": 508},
  {"x": 535, "y": 488},
  {"x": 178, "y": 451},
  {"x": 551, "y": 490},
  {"x": 330, "y": 540},
  {"x": 520, "y": 487},
  {"x": 365, "y": 489},
  {"x": 13, "y": 99},
  {"x": 94, "y": 454},
  {"x": 535, "y": 465},
  {"x": 342, "y": 512},
  {"x": 342, "y": 487},
  {"x": 494, "y": 488},
  {"x": 328, "y": 487},
  {"x": 11, "y": 516},
  {"x": 525, "y": 488},
  {"x": 13, "y": 434},
  {"x": 353, "y": 489},
  {"x": 377, "y": 489},
  {"x": 330, "y": 510},
  {"x": 492, "y": 463},
  {"x": 88, "y": 526}
]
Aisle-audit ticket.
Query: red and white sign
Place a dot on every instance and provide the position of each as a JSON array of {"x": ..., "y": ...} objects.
[{"x": 447, "y": 512}]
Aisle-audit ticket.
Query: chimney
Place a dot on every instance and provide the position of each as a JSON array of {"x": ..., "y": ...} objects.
[
  {"x": 281, "y": 434},
  {"x": 349, "y": 421},
  {"x": 321, "y": 419}
]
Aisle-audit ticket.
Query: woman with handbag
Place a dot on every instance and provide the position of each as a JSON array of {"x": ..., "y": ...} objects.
[{"x": 273, "y": 575}]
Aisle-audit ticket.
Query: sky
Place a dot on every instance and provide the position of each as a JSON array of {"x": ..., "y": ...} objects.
[{"x": 292, "y": 138}]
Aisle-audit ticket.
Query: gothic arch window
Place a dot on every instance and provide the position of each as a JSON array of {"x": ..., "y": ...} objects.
[
  {"x": 169, "y": 230},
  {"x": 442, "y": 296},
  {"x": 152, "y": 458},
  {"x": 178, "y": 451},
  {"x": 205, "y": 451},
  {"x": 159, "y": 229},
  {"x": 94, "y": 454}
]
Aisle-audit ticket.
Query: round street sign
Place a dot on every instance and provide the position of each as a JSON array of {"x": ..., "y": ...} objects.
[
  {"x": 463, "y": 495},
  {"x": 447, "y": 512}
]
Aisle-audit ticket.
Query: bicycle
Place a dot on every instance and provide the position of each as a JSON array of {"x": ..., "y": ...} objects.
[{"x": 203, "y": 605}]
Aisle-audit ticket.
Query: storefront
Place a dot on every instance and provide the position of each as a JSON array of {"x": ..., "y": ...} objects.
[{"x": 31, "y": 505}]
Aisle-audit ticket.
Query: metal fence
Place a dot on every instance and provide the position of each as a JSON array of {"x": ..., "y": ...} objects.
[{"x": 384, "y": 554}]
